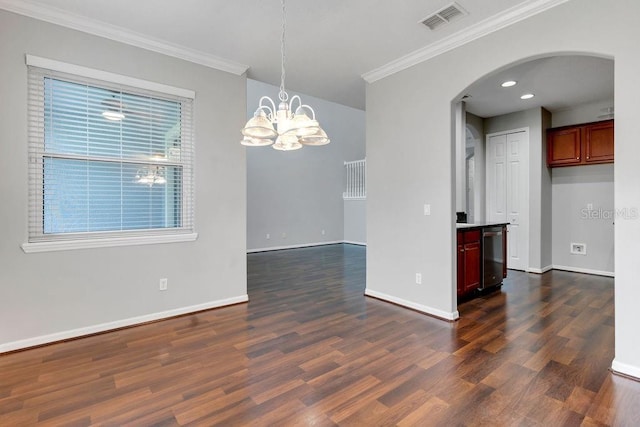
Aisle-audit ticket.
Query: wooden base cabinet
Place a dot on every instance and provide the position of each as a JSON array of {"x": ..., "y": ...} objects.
[
  {"x": 469, "y": 261},
  {"x": 504, "y": 251},
  {"x": 586, "y": 144}
]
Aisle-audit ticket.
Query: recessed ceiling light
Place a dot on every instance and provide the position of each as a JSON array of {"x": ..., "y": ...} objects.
[
  {"x": 527, "y": 96},
  {"x": 509, "y": 83}
]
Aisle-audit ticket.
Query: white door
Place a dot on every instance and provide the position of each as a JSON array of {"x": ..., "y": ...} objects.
[{"x": 508, "y": 191}]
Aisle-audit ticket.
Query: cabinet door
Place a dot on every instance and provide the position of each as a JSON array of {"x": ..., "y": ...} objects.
[
  {"x": 472, "y": 267},
  {"x": 504, "y": 252},
  {"x": 599, "y": 142},
  {"x": 563, "y": 147},
  {"x": 460, "y": 284}
]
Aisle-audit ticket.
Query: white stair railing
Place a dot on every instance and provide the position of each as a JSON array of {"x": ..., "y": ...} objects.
[{"x": 355, "y": 180}]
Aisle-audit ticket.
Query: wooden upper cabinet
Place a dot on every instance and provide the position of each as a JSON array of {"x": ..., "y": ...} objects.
[
  {"x": 563, "y": 146},
  {"x": 580, "y": 145},
  {"x": 599, "y": 143}
]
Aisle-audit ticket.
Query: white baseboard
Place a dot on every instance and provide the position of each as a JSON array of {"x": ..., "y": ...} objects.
[
  {"x": 104, "y": 327},
  {"x": 299, "y": 245},
  {"x": 624, "y": 369},
  {"x": 584, "y": 270},
  {"x": 540, "y": 270},
  {"x": 412, "y": 305},
  {"x": 351, "y": 242}
]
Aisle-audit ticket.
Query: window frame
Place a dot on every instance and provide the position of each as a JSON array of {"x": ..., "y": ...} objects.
[{"x": 38, "y": 241}]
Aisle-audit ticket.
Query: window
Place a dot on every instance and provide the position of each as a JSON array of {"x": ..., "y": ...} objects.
[{"x": 109, "y": 162}]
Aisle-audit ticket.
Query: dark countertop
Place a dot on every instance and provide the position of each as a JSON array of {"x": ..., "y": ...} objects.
[{"x": 479, "y": 225}]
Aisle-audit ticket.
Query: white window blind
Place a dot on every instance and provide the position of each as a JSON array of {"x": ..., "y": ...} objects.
[
  {"x": 355, "y": 180},
  {"x": 107, "y": 160}
]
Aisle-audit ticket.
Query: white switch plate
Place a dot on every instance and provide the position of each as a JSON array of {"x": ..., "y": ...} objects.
[
  {"x": 427, "y": 209},
  {"x": 163, "y": 284},
  {"x": 418, "y": 279},
  {"x": 590, "y": 206}
]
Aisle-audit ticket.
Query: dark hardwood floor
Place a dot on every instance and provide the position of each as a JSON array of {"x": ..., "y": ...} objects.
[{"x": 310, "y": 350}]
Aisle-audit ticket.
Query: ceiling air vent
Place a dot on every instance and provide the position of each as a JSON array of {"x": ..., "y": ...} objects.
[{"x": 443, "y": 16}]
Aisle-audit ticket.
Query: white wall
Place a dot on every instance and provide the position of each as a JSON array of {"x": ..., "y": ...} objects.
[
  {"x": 584, "y": 113},
  {"x": 355, "y": 211},
  {"x": 559, "y": 195},
  {"x": 573, "y": 189},
  {"x": 355, "y": 221},
  {"x": 402, "y": 177},
  {"x": 546, "y": 200},
  {"x": 292, "y": 196},
  {"x": 55, "y": 295},
  {"x": 460, "y": 156},
  {"x": 476, "y": 124}
]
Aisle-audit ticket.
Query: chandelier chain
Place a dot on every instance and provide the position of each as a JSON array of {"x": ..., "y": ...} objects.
[{"x": 284, "y": 97}]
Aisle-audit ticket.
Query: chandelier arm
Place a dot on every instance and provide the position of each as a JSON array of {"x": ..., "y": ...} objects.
[
  {"x": 283, "y": 96},
  {"x": 308, "y": 107},
  {"x": 293, "y": 98},
  {"x": 271, "y": 109}
]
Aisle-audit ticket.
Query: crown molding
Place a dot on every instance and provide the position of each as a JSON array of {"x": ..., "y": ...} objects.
[
  {"x": 119, "y": 34},
  {"x": 497, "y": 22}
]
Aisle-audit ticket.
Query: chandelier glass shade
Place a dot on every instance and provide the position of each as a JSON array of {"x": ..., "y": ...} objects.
[
  {"x": 283, "y": 128},
  {"x": 150, "y": 175}
]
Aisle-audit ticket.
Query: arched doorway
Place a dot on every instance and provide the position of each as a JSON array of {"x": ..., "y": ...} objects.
[{"x": 569, "y": 90}]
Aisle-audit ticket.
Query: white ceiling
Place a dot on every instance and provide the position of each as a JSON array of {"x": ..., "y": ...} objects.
[
  {"x": 330, "y": 43},
  {"x": 558, "y": 83}
]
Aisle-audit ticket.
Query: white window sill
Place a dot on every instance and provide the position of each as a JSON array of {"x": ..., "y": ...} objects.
[{"x": 66, "y": 245}]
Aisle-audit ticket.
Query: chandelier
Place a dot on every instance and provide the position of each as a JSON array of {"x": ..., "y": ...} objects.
[{"x": 290, "y": 128}]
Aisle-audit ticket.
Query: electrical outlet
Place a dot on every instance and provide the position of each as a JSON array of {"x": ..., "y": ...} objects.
[
  {"x": 163, "y": 284},
  {"x": 323, "y": 232},
  {"x": 284, "y": 235},
  {"x": 418, "y": 278},
  {"x": 579, "y": 248},
  {"x": 268, "y": 236},
  {"x": 427, "y": 209}
]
